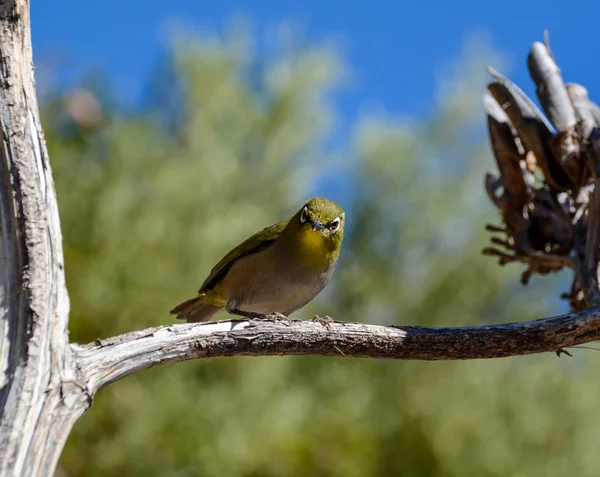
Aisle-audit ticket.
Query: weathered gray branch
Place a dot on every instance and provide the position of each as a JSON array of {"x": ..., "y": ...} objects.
[{"x": 105, "y": 361}]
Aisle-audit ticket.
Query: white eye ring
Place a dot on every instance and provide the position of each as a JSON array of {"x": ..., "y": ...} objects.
[
  {"x": 335, "y": 224},
  {"x": 304, "y": 215}
]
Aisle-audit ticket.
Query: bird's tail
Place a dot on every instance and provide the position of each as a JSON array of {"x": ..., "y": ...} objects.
[{"x": 195, "y": 309}]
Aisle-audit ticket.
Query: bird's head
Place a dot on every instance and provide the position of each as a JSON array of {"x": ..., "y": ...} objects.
[{"x": 320, "y": 226}]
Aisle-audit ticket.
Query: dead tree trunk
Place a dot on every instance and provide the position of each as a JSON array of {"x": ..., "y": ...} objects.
[
  {"x": 40, "y": 398},
  {"x": 46, "y": 383}
]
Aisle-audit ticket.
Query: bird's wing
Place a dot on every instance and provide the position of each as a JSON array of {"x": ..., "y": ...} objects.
[{"x": 259, "y": 241}]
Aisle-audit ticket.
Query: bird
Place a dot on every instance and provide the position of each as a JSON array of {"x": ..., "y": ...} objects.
[{"x": 274, "y": 272}]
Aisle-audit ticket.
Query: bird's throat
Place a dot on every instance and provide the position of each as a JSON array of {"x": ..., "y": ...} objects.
[{"x": 314, "y": 250}]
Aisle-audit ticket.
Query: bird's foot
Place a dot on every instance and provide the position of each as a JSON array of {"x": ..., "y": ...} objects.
[
  {"x": 258, "y": 316},
  {"x": 325, "y": 321},
  {"x": 274, "y": 316}
]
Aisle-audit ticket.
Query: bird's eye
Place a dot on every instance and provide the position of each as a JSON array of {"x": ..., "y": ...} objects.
[
  {"x": 304, "y": 215},
  {"x": 335, "y": 224}
]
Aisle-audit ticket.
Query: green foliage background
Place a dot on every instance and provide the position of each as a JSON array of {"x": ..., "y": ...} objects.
[{"x": 232, "y": 140}]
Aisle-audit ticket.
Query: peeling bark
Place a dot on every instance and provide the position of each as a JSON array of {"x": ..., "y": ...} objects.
[{"x": 37, "y": 405}]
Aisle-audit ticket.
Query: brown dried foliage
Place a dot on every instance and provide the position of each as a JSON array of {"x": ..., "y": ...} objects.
[{"x": 548, "y": 171}]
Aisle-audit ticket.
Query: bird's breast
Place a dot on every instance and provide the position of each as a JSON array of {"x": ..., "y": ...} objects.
[{"x": 278, "y": 278}]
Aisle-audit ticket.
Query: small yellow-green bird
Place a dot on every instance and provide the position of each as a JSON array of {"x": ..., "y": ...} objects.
[{"x": 276, "y": 271}]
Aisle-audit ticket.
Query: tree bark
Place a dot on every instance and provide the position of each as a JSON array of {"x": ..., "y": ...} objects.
[
  {"x": 105, "y": 361},
  {"x": 39, "y": 397},
  {"x": 46, "y": 383}
]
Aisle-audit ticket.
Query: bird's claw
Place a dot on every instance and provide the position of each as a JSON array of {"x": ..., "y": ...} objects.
[
  {"x": 276, "y": 316},
  {"x": 325, "y": 321}
]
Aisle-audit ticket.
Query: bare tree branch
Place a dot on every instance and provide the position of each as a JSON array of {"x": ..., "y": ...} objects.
[{"x": 105, "y": 361}]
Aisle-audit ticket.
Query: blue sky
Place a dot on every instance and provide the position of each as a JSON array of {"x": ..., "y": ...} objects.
[{"x": 395, "y": 48}]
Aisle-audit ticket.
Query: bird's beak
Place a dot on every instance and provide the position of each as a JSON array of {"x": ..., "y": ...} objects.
[{"x": 318, "y": 225}]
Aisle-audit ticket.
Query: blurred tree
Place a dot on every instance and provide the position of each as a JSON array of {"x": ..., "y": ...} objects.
[{"x": 150, "y": 199}]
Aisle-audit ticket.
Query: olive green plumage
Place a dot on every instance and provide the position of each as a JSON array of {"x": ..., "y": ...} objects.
[{"x": 276, "y": 271}]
